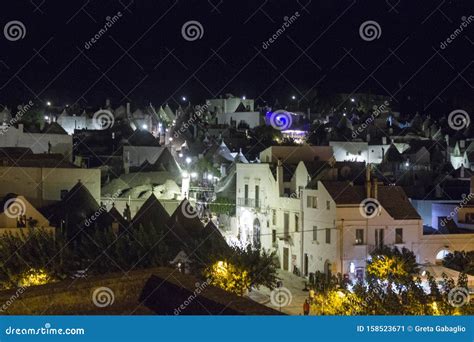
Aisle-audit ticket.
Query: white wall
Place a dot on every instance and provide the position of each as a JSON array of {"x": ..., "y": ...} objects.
[
  {"x": 42, "y": 186},
  {"x": 37, "y": 142},
  {"x": 319, "y": 252},
  {"x": 349, "y": 219}
]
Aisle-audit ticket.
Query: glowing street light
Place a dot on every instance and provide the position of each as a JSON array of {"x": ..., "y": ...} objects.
[
  {"x": 183, "y": 98},
  {"x": 48, "y": 103},
  {"x": 293, "y": 97},
  {"x": 188, "y": 160},
  {"x": 244, "y": 98},
  {"x": 352, "y": 100},
  {"x": 144, "y": 126}
]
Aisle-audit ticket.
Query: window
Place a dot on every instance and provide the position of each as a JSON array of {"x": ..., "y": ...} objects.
[
  {"x": 312, "y": 202},
  {"x": 315, "y": 233},
  {"x": 398, "y": 235},
  {"x": 328, "y": 205},
  {"x": 297, "y": 223},
  {"x": 286, "y": 225},
  {"x": 359, "y": 237},
  {"x": 257, "y": 196},
  {"x": 274, "y": 235},
  {"x": 63, "y": 193},
  {"x": 328, "y": 235},
  {"x": 347, "y": 154},
  {"x": 246, "y": 194},
  {"x": 379, "y": 238},
  {"x": 274, "y": 217}
]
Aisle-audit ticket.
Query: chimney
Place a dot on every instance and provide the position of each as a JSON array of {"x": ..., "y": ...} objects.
[
  {"x": 107, "y": 103},
  {"x": 20, "y": 127},
  {"x": 462, "y": 143},
  {"x": 367, "y": 181},
  {"x": 462, "y": 171},
  {"x": 128, "y": 109},
  {"x": 384, "y": 140},
  {"x": 279, "y": 172},
  {"x": 375, "y": 189}
]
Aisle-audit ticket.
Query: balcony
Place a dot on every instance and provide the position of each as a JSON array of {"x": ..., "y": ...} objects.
[{"x": 248, "y": 202}]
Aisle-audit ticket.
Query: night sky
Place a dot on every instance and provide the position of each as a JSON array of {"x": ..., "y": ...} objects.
[{"x": 143, "y": 57}]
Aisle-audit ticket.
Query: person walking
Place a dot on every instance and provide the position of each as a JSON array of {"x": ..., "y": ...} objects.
[{"x": 306, "y": 307}]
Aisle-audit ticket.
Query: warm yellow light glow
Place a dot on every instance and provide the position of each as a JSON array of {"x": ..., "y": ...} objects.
[
  {"x": 228, "y": 277},
  {"x": 35, "y": 277}
]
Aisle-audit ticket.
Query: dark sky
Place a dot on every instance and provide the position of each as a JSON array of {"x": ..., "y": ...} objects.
[{"x": 143, "y": 57}]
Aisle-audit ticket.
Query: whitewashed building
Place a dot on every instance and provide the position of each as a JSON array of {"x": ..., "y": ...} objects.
[{"x": 48, "y": 141}]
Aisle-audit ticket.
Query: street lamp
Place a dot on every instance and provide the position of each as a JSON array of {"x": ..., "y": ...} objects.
[
  {"x": 183, "y": 98},
  {"x": 243, "y": 97},
  {"x": 293, "y": 97},
  {"x": 188, "y": 160},
  {"x": 48, "y": 103}
]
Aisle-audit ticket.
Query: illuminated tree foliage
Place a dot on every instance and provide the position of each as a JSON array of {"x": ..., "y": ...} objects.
[
  {"x": 35, "y": 277},
  {"x": 393, "y": 287},
  {"x": 242, "y": 269},
  {"x": 228, "y": 277}
]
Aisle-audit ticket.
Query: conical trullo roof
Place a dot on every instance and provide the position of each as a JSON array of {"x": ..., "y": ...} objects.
[
  {"x": 152, "y": 215},
  {"x": 76, "y": 209},
  {"x": 206, "y": 239}
]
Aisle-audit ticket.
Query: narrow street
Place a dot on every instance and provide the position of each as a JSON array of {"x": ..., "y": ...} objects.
[{"x": 296, "y": 297}]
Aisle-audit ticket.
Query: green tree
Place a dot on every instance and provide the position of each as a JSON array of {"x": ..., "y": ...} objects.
[
  {"x": 243, "y": 268},
  {"x": 460, "y": 261}
]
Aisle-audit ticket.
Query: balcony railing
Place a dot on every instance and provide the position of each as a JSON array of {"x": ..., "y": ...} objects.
[{"x": 248, "y": 202}]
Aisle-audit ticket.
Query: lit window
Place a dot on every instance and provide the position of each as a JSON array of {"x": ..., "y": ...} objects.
[
  {"x": 359, "y": 237},
  {"x": 399, "y": 235}
]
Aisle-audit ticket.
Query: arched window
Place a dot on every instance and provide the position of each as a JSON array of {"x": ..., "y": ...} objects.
[{"x": 441, "y": 255}]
